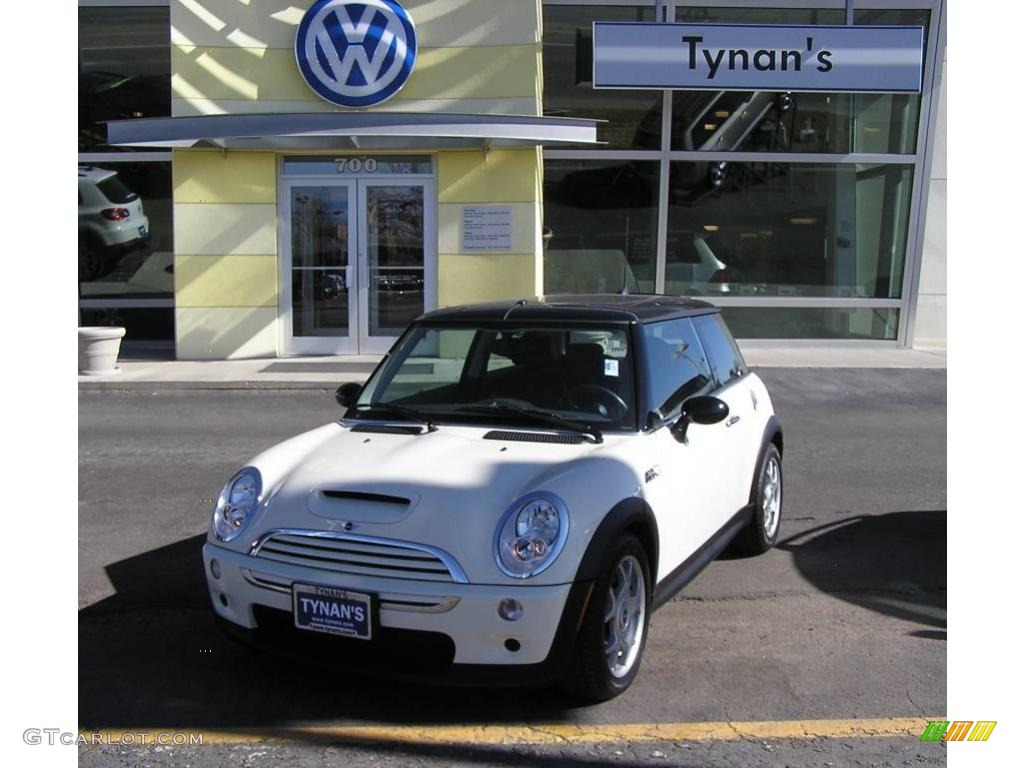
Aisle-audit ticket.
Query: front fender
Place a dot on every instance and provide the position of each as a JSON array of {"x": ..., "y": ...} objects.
[
  {"x": 592, "y": 489},
  {"x": 274, "y": 464},
  {"x": 629, "y": 514}
]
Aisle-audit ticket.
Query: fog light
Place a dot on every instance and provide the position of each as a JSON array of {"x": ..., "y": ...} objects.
[
  {"x": 215, "y": 568},
  {"x": 510, "y": 609},
  {"x": 223, "y": 599}
]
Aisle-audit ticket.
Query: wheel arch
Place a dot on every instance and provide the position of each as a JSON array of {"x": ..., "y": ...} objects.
[
  {"x": 633, "y": 515},
  {"x": 772, "y": 436}
]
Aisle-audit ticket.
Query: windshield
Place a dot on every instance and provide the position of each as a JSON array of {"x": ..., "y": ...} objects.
[{"x": 581, "y": 374}]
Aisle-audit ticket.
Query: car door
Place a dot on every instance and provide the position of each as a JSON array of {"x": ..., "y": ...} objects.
[
  {"x": 733, "y": 382},
  {"x": 683, "y": 481}
]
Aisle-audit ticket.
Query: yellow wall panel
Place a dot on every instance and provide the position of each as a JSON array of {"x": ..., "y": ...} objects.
[
  {"x": 452, "y": 73},
  {"x": 225, "y": 228},
  {"x": 273, "y": 23},
  {"x": 494, "y": 72},
  {"x": 225, "y": 281},
  {"x": 498, "y": 176},
  {"x": 467, "y": 279},
  {"x": 219, "y": 333},
  {"x": 216, "y": 177}
]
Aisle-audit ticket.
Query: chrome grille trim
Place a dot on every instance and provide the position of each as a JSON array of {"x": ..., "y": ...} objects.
[
  {"x": 363, "y": 555},
  {"x": 388, "y": 601}
]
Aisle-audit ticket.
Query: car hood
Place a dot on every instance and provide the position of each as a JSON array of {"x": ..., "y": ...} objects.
[{"x": 447, "y": 488}]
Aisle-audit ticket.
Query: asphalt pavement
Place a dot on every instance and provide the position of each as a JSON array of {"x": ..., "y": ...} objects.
[{"x": 839, "y": 628}]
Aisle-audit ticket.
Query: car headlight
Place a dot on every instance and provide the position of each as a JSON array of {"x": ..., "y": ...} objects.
[
  {"x": 531, "y": 534},
  {"x": 236, "y": 503}
]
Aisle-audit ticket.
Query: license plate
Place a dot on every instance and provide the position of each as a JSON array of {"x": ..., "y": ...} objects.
[
  {"x": 334, "y": 611},
  {"x": 142, "y": 231}
]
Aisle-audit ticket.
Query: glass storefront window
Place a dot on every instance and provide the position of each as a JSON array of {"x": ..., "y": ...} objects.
[
  {"x": 727, "y": 15},
  {"x": 600, "y": 225},
  {"x": 634, "y": 117},
  {"x": 878, "y": 323},
  {"x": 766, "y": 121},
  {"x": 124, "y": 69},
  {"x": 787, "y": 229},
  {"x": 125, "y": 246},
  {"x": 141, "y": 324}
]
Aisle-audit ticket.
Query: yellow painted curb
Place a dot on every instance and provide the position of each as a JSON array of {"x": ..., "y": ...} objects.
[{"x": 544, "y": 733}]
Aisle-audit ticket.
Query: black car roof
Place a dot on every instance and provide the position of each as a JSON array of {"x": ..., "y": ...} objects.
[{"x": 643, "y": 308}]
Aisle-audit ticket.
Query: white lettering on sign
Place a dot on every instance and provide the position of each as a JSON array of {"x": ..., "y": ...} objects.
[
  {"x": 333, "y": 610},
  {"x": 355, "y": 164},
  {"x": 487, "y": 228}
]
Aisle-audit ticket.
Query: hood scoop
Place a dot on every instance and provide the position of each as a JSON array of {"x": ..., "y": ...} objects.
[
  {"x": 380, "y": 498},
  {"x": 351, "y": 505},
  {"x": 534, "y": 437}
]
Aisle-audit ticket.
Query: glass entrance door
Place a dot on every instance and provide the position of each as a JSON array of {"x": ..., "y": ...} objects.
[
  {"x": 319, "y": 278},
  {"x": 358, "y": 265},
  {"x": 393, "y": 235}
]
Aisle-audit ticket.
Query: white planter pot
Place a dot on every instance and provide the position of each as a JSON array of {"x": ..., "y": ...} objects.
[{"x": 97, "y": 350}]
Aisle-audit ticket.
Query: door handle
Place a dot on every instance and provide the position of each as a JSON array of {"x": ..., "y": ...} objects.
[{"x": 732, "y": 421}]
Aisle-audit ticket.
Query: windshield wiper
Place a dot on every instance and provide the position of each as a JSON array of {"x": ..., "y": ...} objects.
[
  {"x": 537, "y": 415},
  {"x": 402, "y": 411}
]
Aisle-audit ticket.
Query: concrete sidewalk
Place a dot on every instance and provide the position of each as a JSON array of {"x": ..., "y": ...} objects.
[{"x": 329, "y": 372}]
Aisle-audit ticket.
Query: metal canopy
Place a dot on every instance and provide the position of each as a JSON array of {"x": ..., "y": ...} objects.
[{"x": 358, "y": 130}]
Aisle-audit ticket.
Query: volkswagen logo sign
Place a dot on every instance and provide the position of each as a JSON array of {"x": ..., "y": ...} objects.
[{"x": 356, "y": 54}]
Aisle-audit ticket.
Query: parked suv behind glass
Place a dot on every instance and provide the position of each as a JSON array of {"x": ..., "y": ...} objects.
[{"x": 111, "y": 221}]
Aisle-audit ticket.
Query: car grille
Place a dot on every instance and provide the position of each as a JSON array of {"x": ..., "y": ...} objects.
[
  {"x": 392, "y": 601},
  {"x": 360, "y": 555}
]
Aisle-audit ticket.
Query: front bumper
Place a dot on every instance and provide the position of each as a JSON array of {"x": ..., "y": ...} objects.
[{"x": 449, "y": 630}]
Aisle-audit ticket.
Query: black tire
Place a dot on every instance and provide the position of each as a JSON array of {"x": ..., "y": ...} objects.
[
  {"x": 760, "y": 536},
  {"x": 590, "y": 679}
]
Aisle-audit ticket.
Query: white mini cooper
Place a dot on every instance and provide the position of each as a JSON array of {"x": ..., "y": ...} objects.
[{"x": 508, "y": 497}]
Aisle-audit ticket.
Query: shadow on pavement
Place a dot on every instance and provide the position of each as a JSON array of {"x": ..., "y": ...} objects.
[
  {"x": 151, "y": 655},
  {"x": 894, "y": 563}
]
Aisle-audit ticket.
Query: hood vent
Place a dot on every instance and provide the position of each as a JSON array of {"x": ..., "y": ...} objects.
[
  {"x": 375, "y": 498},
  {"x": 387, "y": 429},
  {"x": 534, "y": 437}
]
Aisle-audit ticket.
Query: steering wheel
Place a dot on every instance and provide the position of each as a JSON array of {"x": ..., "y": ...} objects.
[{"x": 594, "y": 398}]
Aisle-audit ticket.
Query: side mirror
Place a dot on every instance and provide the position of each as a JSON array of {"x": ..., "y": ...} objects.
[
  {"x": 703, "y": 409},
  {"x": 347, "y": 394}
]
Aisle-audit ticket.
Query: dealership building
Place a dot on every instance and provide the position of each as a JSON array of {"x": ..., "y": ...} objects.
[{"x": 266, "y": 178}]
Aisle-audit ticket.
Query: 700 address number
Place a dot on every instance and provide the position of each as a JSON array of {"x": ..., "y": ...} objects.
[{"x": 355, "y": 164}]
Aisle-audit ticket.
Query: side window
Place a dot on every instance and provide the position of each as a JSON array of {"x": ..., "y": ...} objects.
[
  {"x": 726, "y": 360},
  {"x": 676, "y": 366}
]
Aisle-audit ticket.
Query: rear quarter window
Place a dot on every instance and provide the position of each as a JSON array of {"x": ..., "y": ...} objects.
[
  {"x": 726, "y": 360},
  {"x": 115, "y": 190}
]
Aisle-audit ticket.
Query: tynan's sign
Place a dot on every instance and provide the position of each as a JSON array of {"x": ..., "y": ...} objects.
[
  {"x": 356, "y": 54},
  {"x": 744, "y": 57}
]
